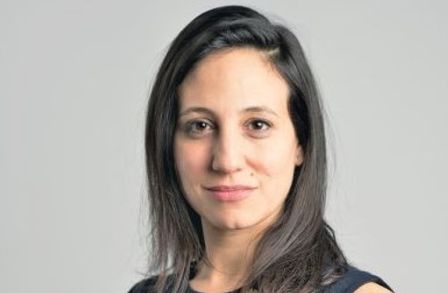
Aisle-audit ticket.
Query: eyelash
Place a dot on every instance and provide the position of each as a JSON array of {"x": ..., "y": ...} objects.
[
  {"x": 190, "y": 126},
  {"x": 192, "y": 130},
  {"x": 264, "y": 122}
]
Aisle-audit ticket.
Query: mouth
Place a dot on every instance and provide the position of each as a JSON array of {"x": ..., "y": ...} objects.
[{"x": 230, "y": 193}]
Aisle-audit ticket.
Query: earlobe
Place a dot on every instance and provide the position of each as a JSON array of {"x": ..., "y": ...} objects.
[{"x": 299, "y": 156}]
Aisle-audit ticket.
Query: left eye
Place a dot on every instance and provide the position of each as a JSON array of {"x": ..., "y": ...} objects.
[{"x": 259, "y": 125}]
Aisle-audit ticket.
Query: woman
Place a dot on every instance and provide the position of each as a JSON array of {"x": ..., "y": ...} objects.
[{"x": 236, "y": 161}]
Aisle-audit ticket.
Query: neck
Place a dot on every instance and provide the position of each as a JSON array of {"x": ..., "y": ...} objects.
[{"x": 229, "y": 254}]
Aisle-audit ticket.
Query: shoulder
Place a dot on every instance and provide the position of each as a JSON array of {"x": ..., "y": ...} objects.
[
  {"x": 144, "y": 286},
  {"x": 148, "y": 285},
  {"x": 372, "y": 288},
  {"x": 357, "y": 281}
]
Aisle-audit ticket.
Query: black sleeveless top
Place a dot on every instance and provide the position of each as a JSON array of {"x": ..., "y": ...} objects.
[{"x": 348, "y": 283}]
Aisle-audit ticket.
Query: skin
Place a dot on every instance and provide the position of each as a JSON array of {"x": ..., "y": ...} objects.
[
  {"x": 372, "y": 288},
  {"x": 243, "y": 135},
  {"x": 234, "y": 128}
]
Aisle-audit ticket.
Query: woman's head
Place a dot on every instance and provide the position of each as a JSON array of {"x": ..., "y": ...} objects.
[
  {"x": 212, "y": 44},
  {"x": 235, "y": 147}
]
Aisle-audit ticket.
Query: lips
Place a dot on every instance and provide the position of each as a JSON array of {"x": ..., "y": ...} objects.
[{"x": 230, "y": 193}]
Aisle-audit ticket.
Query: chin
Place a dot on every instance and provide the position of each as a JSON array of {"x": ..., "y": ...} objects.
[{"x": 235, "y": 222}]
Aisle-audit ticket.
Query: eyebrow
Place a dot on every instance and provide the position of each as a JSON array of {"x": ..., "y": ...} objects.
[{"x": 253, "y": 109}]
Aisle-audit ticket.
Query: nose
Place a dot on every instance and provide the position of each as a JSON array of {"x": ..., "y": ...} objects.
[{"x": 227, "y": 155}]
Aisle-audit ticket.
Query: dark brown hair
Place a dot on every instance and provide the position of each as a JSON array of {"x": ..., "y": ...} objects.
[{"x": 298, "y": 253}]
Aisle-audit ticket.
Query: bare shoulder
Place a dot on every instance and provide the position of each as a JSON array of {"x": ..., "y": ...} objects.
[{"x": 372, "y": 288}]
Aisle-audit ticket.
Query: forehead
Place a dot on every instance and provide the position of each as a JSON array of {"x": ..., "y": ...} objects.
[{"x": 240, "y": 77}]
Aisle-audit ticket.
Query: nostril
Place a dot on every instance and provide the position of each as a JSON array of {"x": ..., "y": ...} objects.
[
  {"x": 226, "y": 155},
  {"x": 226, "y": 162}
]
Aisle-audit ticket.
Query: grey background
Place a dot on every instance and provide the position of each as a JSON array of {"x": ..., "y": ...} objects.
[{"x": 73, "y": 82}]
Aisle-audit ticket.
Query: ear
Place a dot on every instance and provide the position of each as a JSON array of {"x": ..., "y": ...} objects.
[{"x": 299, "y": 155}]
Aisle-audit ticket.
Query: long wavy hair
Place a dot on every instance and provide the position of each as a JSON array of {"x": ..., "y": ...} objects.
[{"x": 298, "y": 253}]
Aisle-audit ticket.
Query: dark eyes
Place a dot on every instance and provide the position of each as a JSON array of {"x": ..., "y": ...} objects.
[
  {"x": 197, "y": 127},
  {"x": 202, "y": 127},
  {"x": 259, "y": 125}
]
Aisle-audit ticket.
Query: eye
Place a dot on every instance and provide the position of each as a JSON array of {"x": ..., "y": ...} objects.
[
  {"x": 259, "y": 126},
  {"x": 198, "y": 128}
]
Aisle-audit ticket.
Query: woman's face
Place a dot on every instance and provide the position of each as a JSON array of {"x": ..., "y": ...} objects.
[{"x": 235, "y": 147}]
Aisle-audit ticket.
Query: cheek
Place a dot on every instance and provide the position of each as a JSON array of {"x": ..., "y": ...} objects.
[
  {"x": 191, "y": 159},
  {"x": 276, "y": 159},
  {"x": 276, "y": 178}
]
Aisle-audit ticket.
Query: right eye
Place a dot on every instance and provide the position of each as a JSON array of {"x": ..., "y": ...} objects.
[{"x": 197, "y": 128}]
